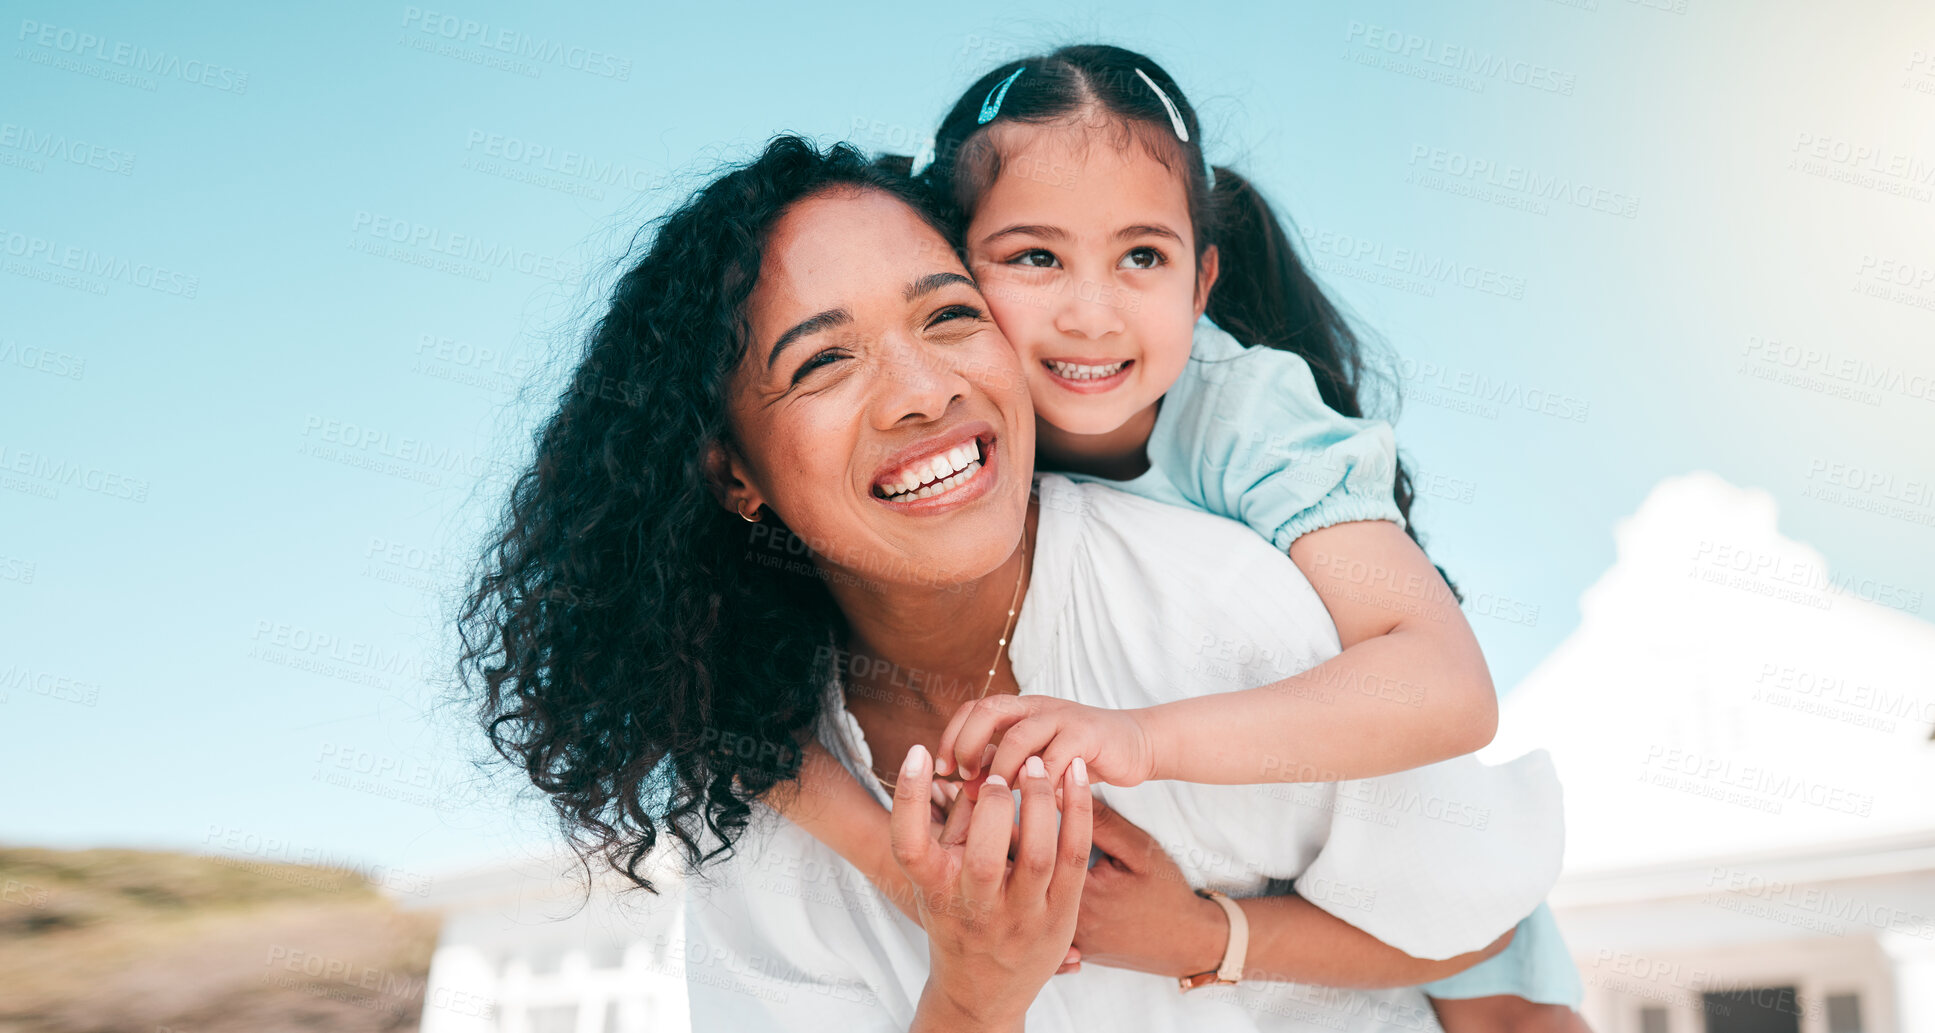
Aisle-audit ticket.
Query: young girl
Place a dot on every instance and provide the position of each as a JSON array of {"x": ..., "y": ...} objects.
[{"x": 1177, "y": 349}]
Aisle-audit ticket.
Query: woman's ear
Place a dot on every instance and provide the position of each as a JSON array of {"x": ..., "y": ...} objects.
[
  {"x": 1206, "y": 270},
  {"x": 732, "y": 480}
]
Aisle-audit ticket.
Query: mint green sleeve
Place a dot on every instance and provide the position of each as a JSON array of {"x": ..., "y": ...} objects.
[{"x": 1251, "y": 439}]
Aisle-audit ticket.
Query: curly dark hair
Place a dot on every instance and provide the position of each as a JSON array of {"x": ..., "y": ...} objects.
[{"x": 639, "y": 651}]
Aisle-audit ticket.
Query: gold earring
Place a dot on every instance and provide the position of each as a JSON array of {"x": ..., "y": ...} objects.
[{"x": 750, "y": 519}]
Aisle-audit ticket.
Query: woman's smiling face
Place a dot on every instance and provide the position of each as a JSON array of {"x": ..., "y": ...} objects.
[{"x": 878, "y": 410}]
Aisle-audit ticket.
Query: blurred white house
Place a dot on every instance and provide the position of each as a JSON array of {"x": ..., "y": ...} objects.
[
  {"x": 1744, "y": 740},
  {"x": 1750, "y": 787}
]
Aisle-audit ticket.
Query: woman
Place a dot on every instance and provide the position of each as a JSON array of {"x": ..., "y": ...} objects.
[{"x": 796, "y": 333}]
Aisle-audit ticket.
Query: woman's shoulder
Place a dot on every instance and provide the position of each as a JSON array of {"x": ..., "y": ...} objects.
[
  {"x": 1075, "y": 514},
  {"x": 1121, "y": 548},
  {"x": 1134, "y": 602}
]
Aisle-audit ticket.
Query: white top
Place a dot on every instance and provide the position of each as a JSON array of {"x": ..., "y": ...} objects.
[{"x": 1134, "y": 602}]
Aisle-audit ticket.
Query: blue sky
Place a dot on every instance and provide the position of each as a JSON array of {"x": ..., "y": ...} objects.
[{"x": 271, "y": 281}]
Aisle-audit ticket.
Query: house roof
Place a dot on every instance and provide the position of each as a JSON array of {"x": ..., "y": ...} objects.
[{"x": 1727, "y": 693}]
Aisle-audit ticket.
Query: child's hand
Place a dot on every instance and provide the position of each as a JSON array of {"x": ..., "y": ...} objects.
[{"x": 1114, "y": 744}]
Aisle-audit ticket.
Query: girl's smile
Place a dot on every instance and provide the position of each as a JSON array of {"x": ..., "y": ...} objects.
[{"x": 1090, "y": 376}]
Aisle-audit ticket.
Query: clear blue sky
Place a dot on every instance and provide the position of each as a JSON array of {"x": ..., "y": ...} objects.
[{"x": 270, "y": 278}]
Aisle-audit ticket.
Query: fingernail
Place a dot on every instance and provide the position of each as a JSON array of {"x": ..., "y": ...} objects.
[
  {"x": 916, "y": 756},
  {"x": 1036, "y": 769},
  {"x": 996, "y": 780},
  {"x": 1081, "y": 772}
]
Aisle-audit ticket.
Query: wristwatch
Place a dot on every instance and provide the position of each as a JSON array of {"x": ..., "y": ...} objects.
[{"x": 1231, "y": 970}]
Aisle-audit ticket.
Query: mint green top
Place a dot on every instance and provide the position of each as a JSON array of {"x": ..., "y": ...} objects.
[{"x": 1244, "y": 434}]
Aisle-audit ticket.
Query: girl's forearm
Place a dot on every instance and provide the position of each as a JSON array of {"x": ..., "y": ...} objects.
[
  {"x": 1293, "y": 940},
  {"x": 833, "y": 808},
  {"x": 1390, "y": 703}
]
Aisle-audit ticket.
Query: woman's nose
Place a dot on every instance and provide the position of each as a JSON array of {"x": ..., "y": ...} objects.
[{"x": 914, "y": 383}]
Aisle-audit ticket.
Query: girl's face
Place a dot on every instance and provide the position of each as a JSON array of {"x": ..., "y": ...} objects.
[
  {"x": 1085, "y": 250},
  {"x": 878, "y": 410}
]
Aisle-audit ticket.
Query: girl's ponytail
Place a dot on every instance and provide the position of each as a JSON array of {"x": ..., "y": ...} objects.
[{"x": 1264, "y": 296}]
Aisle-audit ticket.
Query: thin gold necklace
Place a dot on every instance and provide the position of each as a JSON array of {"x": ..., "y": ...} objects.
[{"x": 1013, "y": 606}]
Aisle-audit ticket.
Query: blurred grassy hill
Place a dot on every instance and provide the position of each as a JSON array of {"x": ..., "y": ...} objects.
[{"x": 131, "y": 941}]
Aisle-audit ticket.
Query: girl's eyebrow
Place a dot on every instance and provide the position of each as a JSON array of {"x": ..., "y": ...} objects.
[
  {"x": 1057, "y": 233},
  {"x": 1044, "y": 232},
  {"x": 1148, "y": 231}
]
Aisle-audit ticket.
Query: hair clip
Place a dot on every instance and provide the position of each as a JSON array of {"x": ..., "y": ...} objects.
[
  {"x": 992, "y": 105},
  {"x": 1175, "y": 117},
  {"x": 923, "y": 159}
]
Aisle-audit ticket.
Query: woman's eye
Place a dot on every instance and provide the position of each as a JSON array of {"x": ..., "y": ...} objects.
[
  {"x": 1034, "y": 258},
  {"x": 1141, "y": 258},
  {"x": 954, "y": 312},
  {"x": 825, "y": 358}
]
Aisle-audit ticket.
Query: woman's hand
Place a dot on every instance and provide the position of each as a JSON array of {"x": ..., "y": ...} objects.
[
  {"x": 1139, "y": 912},
  {"x": 1114, "y": 744},
  {"x": 994, "y": 935}
]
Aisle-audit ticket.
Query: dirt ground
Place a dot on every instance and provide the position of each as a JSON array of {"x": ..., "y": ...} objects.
[{"x": 124, "y": 941}]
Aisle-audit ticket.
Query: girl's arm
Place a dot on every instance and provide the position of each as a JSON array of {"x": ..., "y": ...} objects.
[
  {"x": 1293, "y": 940},
  {"x": 831, "y": 805},
  {"x": 1410, "y": 687},
  {"x": 1139, "y": 913},
  {"x": 1135, "y": 900}
]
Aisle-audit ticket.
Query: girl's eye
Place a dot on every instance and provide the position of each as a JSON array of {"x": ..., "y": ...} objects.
[
  {"x": 1034, "y": 258},
  {"x": 830, "y": 356},
  {"x": 1141, "y": 258}
]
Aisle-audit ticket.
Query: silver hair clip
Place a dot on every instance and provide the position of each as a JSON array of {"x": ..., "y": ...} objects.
[
  {"x": 1175, "y": 117},
  {"x": 1176, "y": 120}
]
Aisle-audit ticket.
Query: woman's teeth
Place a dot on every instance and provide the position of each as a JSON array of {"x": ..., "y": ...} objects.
[
  {"x": 1071, "y": 371},
  {"x": 934, "y": 475}
]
